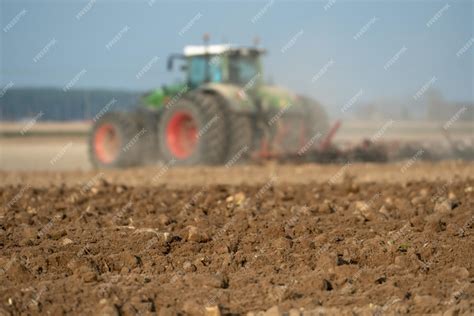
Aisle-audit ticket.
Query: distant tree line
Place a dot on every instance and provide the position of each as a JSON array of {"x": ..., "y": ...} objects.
[{"x": 50, "y": 104}]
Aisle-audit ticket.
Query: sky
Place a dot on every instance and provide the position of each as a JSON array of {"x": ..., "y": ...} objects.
[{"x": 336, "y": 51}]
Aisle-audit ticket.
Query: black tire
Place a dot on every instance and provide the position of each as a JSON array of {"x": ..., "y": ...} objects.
[
  {"x": 127, "y": 139},
  {"x": 240, "y": 133},
  {"x": 241, "y": 137},
  {"x": 209, "y": 119},
  {"x": 290, "y": 135}
]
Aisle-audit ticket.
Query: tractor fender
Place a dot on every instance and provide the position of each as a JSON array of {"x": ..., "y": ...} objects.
[
  {"x": 275, "y": 98},
  {"x": 236, "y": 97}
]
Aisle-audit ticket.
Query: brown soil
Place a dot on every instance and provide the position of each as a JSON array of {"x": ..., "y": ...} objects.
[
  {"x": 355, "y": 245},
  {"x": 165, "y": 174}
]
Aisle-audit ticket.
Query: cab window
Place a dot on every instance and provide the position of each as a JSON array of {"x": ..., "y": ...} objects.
[{"x": 197, "y": 70}]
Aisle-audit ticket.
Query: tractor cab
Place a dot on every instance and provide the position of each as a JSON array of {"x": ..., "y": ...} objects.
[{"x": 220, "y": 64}]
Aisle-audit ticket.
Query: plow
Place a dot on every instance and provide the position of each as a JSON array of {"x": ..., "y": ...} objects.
[{"x": 224, "y": 113}]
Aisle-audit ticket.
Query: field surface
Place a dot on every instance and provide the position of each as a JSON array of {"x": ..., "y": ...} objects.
[
  {"x": 349, "y": 239},
  {"x": 63, "y": 146}
]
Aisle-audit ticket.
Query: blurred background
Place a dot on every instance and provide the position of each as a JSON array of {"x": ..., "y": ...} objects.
[{"x": 367, "y": 62}]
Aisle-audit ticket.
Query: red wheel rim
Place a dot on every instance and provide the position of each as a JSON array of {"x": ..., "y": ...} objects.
[
  {"x": 106, "y": 143},
  {"x": 181, "y": 135}
]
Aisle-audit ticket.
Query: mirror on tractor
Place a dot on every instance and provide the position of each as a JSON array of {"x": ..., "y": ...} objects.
[{"x": 171, "y": 59}]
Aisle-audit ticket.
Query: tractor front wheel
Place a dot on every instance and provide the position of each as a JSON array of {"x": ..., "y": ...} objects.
[{"x": 115, "y": 141}]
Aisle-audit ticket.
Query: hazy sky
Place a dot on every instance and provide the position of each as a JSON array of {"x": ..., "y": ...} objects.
[{"x": 332, "y": 50}]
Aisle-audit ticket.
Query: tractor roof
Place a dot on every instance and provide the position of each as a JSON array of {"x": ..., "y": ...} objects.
[{"x": 219, "y": 49}]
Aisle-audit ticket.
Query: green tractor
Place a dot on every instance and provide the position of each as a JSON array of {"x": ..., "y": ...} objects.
[{"x": 222, "y": 114}]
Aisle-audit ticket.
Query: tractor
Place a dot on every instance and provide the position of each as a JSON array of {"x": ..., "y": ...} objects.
[{"x": 223, "y": 113}]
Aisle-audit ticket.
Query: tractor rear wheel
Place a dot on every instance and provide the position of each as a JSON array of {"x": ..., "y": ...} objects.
[
  {"x": 240, "y": 139},
  {"x": 193, "y": 131},
  {"x": 240, "y": 133},
  {"x": 116, "y": 141}
]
